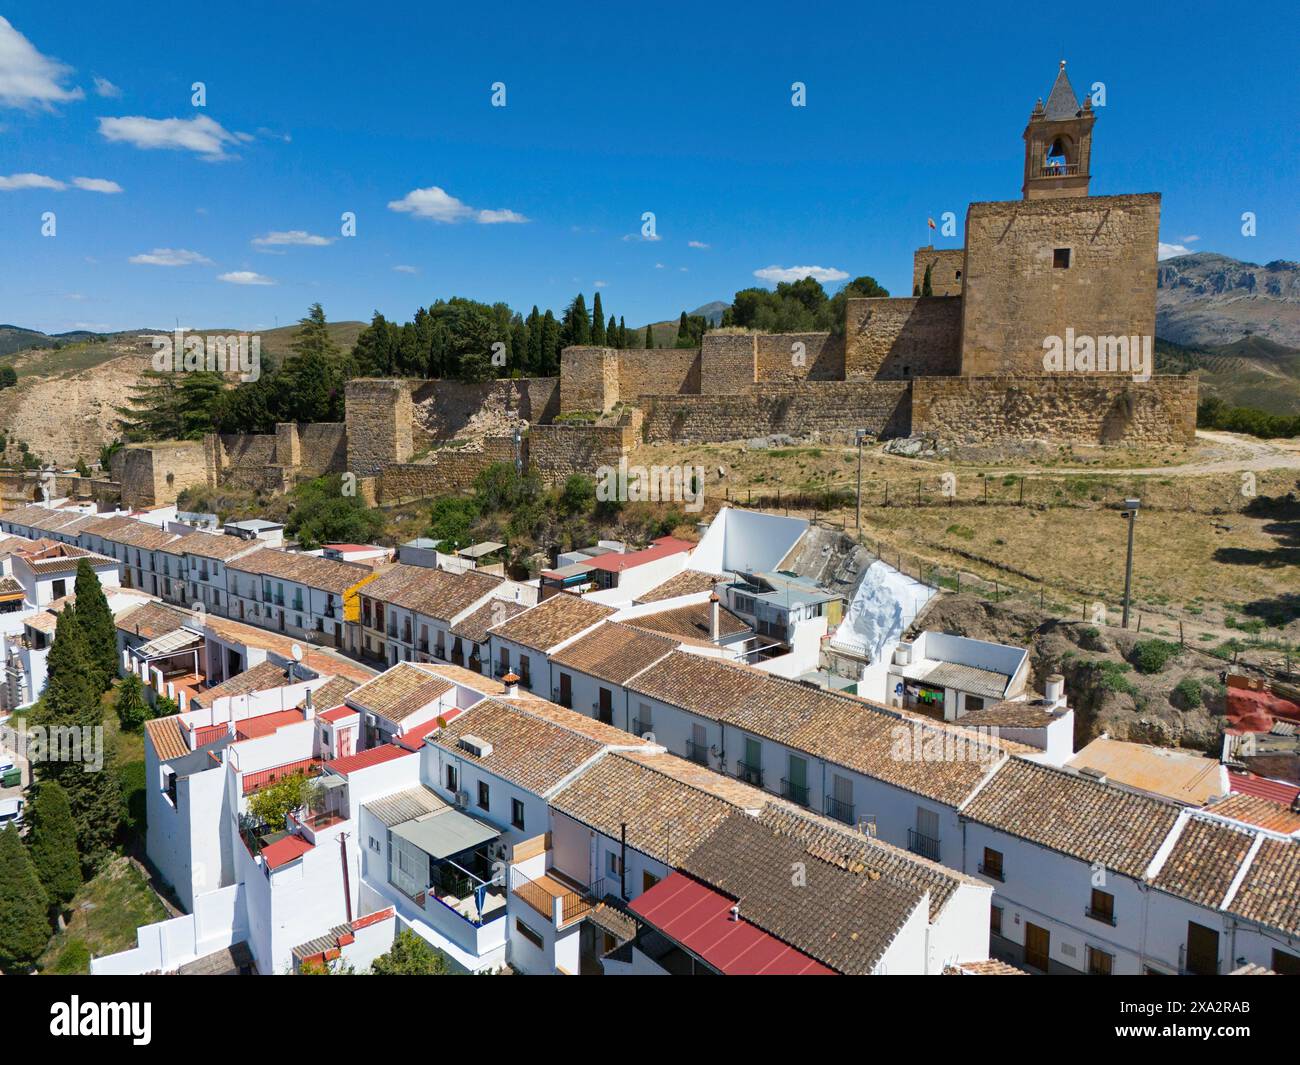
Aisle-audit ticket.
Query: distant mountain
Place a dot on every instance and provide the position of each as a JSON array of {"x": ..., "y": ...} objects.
[
  {"x": 1209, "y": 301},
  {"x": 711, "y": 311},
  {"x": 16, "y": 338}
]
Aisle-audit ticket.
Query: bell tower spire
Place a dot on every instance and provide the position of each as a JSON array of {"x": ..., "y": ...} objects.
[{"x": 1058, "y": 144}]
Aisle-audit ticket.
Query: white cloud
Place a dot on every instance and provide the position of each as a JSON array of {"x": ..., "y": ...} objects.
[
  {"x": 201, "y": 135},
  {"x": 696, "y": 244},
  {"x": 1169, "y": 251},
  {"x": 29, "y": 181},
  {"x": 1190, "y": 240},
  {"x": 245, "y": 277},
  {"x": 440, "y": 206},
  {"x": 27, "y": 78},
  {"x": 659, "y": 266},
  {"x": 775, "y": 274},
  {"x": 402, "y": 268},
  {"x": 600, "y": 284},
  {"x": 170, "y": 257},
  {"x": 96, "y": 184},
  {"x": 648, "y": 237},
  {"x": 294, "y": 236},
  {"x": 104, "y": 87}
]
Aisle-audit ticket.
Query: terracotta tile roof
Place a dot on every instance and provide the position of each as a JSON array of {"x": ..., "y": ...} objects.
[
  {"x": 63, "y": 558},
  {"x": 474, "y": 625},
  {"x": 528, "y": 750},
  {"x": 573, "y": 721},
  {"x": 104, "y": 526},
  {"x": 665, "y": 818},
  {"x": 1023, "y": 714},
  {"x": 551, "y": 622},
  {"x": 436, "y": 593},
  {"x": 1270, "y": 891},
  {"x": 399, "y": 692},
  {"x": 991, "y": 967},
  {"x": 167, "y": 736},
  {"x": 834, "y": 843},
  {"x": 139, "y": 534},
  {"x": 466, "y": 678},
  {"x": 219, "y": 546},
  {"x": 727, "y": 788},
  {"x": 614, "y": 652},
  {"x": 1257, "y": 810},
  {"x": 262, "y": 677},
  {"x": 684, "y": 583},
  {"x": 691, "y": 622},
  {"x": 152, "y": 620},
  {"x": 1088, "y": 820},
  {"x": 845, "y": 919},
  {"x": 324, "y": 574},
  {"x": 1204, "y": 861},
  {"x": 846, "y": 730},
  {"x": 332, "y": 692}
]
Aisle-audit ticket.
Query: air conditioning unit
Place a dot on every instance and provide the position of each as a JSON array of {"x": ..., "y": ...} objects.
[
  {"x": 477, "y": 747},
  {"x": 462, "y": 798}
]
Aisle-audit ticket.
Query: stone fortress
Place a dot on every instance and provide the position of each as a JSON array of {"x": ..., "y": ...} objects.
[{"x": 964, "y": 363}]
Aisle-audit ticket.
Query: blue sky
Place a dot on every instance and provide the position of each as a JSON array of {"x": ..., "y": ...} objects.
[{"x": 683, "y": 110}]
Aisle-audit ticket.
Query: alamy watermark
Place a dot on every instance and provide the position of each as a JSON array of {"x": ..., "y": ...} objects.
[
  {"x": 57, "y": 743},
  {"x": 235, "y": 353},
  {"x": 653, "y": 484},
  {"x": 919, "y": 743},
  {"x": 1102, "y": 354}
]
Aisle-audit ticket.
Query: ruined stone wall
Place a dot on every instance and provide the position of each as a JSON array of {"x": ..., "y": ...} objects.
[
  {"x": 656, "y": 371},
  {"x": 897, "y": 338},
  {"x": 446, "y": 472},
  {"x": 830, "y": 410},
  {"x": 446, "y": 409},
  {"x": 947, "y": 266},
  {"x": 588, "y": 379},
  {"x": 799, "y": 357},
  {"x": 322, "y": 448},
  {"x": 728, "y": 363},
  {"x": 557, "y": 451},
  {"x": 1103, "y": 409},
  {"x": 1015, "y": 297},
  {"x": 379, "y": 424},
  {"x": 152, "y": 474}
]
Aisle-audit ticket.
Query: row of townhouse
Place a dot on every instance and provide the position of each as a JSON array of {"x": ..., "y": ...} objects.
[
  {"x": 1079, "y": 867},
  {"x": 504, "y": 829}
]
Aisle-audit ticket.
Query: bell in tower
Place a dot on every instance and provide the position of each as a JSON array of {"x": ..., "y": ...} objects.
[{"x": 1058, "y": 144}]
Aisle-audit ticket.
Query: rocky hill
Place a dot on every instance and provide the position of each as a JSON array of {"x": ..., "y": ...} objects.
[{"x": 1208, "y": 300}]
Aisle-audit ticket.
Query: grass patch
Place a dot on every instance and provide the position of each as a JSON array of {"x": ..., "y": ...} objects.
[{"x": 105, "y": 914}]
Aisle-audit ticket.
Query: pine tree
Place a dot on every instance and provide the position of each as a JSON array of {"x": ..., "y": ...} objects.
[
  {"x": 597, "y": 323},
  {"x": 96, "y": 623},
  {"x": 52, "y": 841},
  {"x": 311, "y": 374},
  {"x": 24, "y": 926}
]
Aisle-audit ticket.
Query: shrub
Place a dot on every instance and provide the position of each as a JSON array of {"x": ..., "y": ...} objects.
[
  {"x": 1187, "y": 692},
  {"x": 1151, "y": 656}
]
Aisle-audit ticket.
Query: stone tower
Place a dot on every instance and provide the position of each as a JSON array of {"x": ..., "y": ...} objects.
[{"x": 1058, "y": 144}]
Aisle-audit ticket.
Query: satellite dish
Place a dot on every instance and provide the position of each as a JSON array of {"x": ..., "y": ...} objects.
[{"x": 296, "y": 651}]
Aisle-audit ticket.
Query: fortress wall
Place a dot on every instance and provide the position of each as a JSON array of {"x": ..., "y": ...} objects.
[
  {"x": 589, "y": 379},
  {"x": 890, "y": 338},
  {"x": 323, "y": 448},
  {"x": 442, "y": 409},
  {"x": 728, "y": 363},
  {"x": 1015, "y": 297},
  {"x": 832, "y": 410},
  {"x": 656, "y": 371},
  {"x": 947, "y": 266},
  {"x": 800, "y": 357},
  {"x": 557, "y": 451},
  {"x": 1100, "y": 408},
  {"x": 379, "y": 418},
  {"x": 448, "y": 472}
]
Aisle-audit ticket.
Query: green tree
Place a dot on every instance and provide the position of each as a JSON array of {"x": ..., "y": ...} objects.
[
  {"x": 649, "y": 336},
  {"x": 410, "y": 956},
  {"x": 52, "y": 842},
  {"x": 578, "y": 494},
  {"x": 577, "y": 323},
  {"x": 8, "y": 377},
  {"x": 24, "y": 924},
  {"x": 276, "y": 801},
  {"x": 323, "y": 514},
  {"x": 622, "y": 332},
  {"x": 170, "y": 405},
  {"x": 927, "y": 289},
  {"x": 597, "y": 322},
  {"x": 131, "y": 705},
  {"x": 95, "y": 620},
  {"x": 452, "y": 519},
  {"x": 313, "y": 379}
]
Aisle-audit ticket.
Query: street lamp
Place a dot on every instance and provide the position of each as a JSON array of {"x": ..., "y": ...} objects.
[
  {"x": 1129, "y": 512},
  {"x": 859, "y": 436}
]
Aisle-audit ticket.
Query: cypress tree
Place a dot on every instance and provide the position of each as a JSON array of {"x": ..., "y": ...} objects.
[
  {"x": 649, "y": 336},
  {"x": 96, "y": 623},
  {"x": 52, "y": 841},
  {"x": 683, "y": 331},
  {"x": 535, "y": 361},
  {"x": 926, "y": 289},
  {"x": 24, "y": 926},
  {"x": 611, "y": 333},
  {"x": 622, "y": 332},
  {"x": 597, "y": 322},
  {"x": 550, "y": 366}
]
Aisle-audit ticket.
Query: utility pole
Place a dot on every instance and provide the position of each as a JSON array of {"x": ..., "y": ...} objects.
[
  {"x": 1129, "y": 513},
  {"x": 859, "y": 436}
]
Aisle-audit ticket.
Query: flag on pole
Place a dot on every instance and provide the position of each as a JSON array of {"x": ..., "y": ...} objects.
[{"x": 930, "y": 222}]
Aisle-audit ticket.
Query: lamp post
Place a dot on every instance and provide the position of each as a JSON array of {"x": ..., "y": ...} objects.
[
  {"x": 1129, "y": 512},
  {"x": 859, "y": 436}
]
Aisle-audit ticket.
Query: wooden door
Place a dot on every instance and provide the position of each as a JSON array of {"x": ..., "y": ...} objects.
[
  {"x": 1037, "y": 945},
  {"x": 1202, "y": 949}
]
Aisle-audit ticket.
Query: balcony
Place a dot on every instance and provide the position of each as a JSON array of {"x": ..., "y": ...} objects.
[
  {"x": 794, "y": 792},
  {"x": 553, "y": 895},
  {"x": 1052, "y": 170},
  {"x": 641, "y": 726},
  {"x": 925, "y": 846},
  {"x": 840, "y": 810},
  {"x": 750, "y": 774},
  {"x": 697, "y": 753}
]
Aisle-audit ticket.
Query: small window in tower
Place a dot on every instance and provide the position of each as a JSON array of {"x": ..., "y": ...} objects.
[
  {"x": 1061, "y": 258},
  {"x": 907, "y": 370},
  {"x": 958, "y": 275}
]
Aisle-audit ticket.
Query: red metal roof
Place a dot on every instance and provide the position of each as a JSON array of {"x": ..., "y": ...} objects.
[
  {"x": 265, "y": 724},
  {"x": 366, "y": 759},
  {"x": 1249, "y": 784},
  {"x": 699, "y": 918},
  {"x": 283, "y": 851},
  {"x": 337, "y": 714},
  {"x": 614, "y": 562}
]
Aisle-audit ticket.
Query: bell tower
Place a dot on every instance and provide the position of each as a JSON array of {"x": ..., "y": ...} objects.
[{"x": 1058, "y": 144}]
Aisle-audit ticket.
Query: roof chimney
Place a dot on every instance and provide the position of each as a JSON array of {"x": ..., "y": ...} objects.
[
  {"x": 511, "y": 681},
  {"x": 715, "y": 617},
  {"x": 735, "y": 912},
  {"x": 1054, "y": 691}
]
